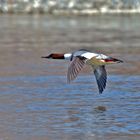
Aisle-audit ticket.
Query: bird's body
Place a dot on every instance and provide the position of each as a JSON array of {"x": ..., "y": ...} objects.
[{"x": 80, "y": 58}]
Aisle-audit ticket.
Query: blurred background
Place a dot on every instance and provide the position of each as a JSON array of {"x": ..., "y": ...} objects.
[
  {"x": 70, "y": 6},
  {"x": 35, "y": 100}
]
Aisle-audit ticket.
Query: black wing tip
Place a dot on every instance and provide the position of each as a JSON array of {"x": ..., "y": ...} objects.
[
  {"x": 101, "y": 78},
  {"x": 101, "y": 84},
  {"x": 102, "y": 89},
  {"x": 100, "y": 92}
]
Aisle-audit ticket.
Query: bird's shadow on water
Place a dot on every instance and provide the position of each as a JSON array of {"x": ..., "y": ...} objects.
[
  {"x": 92, "y": 120},
  {"x": 88, "y": 114}
]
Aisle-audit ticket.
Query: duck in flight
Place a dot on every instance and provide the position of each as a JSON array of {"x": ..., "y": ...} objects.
[{"x": 82, "y": 57}]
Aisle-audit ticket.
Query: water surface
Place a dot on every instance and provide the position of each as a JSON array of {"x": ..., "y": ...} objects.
[{"x": 35, "y": 100}]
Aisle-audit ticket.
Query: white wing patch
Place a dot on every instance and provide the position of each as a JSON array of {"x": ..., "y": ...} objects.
[{"x": 89, "y": 55}]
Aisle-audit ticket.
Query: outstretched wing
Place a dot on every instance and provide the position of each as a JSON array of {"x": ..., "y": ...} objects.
[
  {"x": 101, "y": 77},
  {"x": 75, "y": 67}
]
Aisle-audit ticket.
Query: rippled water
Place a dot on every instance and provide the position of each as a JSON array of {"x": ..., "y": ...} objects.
[{"x": 35, "y": 100}]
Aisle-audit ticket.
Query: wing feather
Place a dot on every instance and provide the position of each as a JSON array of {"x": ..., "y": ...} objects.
[
  {"x": 101, "y": 77},
  {"x": 74, "y": 68}
]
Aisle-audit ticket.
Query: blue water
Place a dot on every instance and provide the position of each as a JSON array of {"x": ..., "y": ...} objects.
[{"x": 48, "y": 106}]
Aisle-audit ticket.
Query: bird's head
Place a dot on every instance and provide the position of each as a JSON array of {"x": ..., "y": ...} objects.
[{"x": 54, "y": 56}]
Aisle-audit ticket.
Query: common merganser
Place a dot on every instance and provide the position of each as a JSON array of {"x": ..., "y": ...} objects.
[{"x": 80, "y": 58}]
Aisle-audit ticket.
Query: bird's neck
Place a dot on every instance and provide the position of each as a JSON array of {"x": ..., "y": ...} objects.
[
  {"x": 57, "y": 56},
  {"x": 67, "y": 56}
]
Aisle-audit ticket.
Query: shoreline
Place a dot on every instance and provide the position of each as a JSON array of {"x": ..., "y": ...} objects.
[{"x": 77, "y": 12}]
